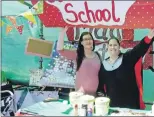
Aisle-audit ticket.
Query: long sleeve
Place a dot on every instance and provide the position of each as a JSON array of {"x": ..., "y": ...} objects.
[
  {"x": 101, "y": 85},
  {"x": 139, "y": 50},
  {"x": 68, "y": 54}
]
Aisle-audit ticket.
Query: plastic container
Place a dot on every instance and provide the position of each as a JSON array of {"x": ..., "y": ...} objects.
[
  {"x": 83, "y": 110},
  {"x": 74, "y": 97},
  {"x": 102, "y": 106},
  {"x": 86, "y": 100}
]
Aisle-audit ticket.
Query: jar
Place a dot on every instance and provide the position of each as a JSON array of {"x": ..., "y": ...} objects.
[
  {"x": 74, "y": 97},
  {"x": 83, "y": 110},
  {"x": 102, "y": 106}
]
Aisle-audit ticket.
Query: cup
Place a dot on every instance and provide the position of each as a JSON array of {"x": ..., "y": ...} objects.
[{"x": 102, "y": 106}]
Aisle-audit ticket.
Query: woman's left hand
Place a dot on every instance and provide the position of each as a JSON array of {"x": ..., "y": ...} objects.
[{"x": 151, "y": 33}]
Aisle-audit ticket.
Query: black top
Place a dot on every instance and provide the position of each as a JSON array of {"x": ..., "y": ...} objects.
[{"x": 121, "y": 85}]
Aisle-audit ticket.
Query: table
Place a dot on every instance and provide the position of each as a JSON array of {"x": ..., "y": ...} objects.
[
  {"x": 53, "y": 108},
  {"x": 56, "y": 108}
]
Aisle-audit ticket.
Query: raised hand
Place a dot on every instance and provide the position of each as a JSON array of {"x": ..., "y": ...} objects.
[
  {"x": 151, "y": 33},
  {"x": 64, "y": 29}
]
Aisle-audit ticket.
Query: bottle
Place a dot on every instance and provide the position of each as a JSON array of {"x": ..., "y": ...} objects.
[
  {"x": 83, "y": 110},
  {"x": 76, "y": 110},
  {"x": 89, "y": 112}
]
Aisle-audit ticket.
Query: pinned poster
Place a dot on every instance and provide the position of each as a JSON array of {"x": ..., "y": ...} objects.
[{"x": 38, "y": 47}]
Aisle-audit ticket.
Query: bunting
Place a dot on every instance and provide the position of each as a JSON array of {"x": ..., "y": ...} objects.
[
  {"x": 8, "y": 29},
  {"x": 2, "y": 23},
  {"x": 29, "y": 16},
  {"x": 39, "y": 7},
  {"x": 12, "y": 19},
  {"x": 21, "y": 1},
  {"x": 20, "y": 28}
]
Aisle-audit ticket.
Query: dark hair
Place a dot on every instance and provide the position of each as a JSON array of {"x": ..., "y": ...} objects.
[
  {"x": 114, "y": 39},
  {"x": 80, "y": 49}
]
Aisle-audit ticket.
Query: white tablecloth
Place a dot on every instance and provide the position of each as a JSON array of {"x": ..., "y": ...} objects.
[{"x": 59, "y": 108}]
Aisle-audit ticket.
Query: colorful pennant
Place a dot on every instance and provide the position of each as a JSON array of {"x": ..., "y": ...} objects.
[
  {"x": 2, "y": 23},
  {"x": 29, "y": 16},
  {"x": 21, "y": 1},
  {"x": 8, "y": 29},
  {"x": 39, "y": 7},
  {"x": 20, "y": 28},
  {"x": 12, "y": 19}
]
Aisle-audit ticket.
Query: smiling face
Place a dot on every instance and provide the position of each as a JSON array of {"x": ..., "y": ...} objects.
[
  {"x": 87, "y": 42},
  {"x": 113, "y": 47}
]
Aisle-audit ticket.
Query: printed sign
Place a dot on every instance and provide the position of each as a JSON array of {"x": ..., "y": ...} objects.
[{"x": 99, "y": 14}]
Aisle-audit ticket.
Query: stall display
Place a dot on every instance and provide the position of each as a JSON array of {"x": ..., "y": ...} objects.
[{"x": 108, "y": 16}]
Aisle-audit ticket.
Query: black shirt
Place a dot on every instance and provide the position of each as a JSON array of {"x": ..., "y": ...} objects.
[{"x": 120, "y": 82}]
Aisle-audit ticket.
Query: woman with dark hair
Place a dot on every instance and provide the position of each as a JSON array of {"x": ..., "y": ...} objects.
[
  {"x": 87, "y": 62},
  {"x": 121, "y": 73}
]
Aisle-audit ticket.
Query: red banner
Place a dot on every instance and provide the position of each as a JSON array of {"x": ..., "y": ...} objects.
[{"x": 98, "y": 14}]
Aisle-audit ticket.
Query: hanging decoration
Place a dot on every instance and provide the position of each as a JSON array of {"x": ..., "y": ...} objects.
[
  {"x": 21, "y": 1},
  {"x": 20, "y": 28},
  {"x": 28, "y": 15},
  {"x": 39, "y": 7},
  {"x": 100, "y": 14},
  {"x": 12, "y": 19},
  {"x": 1, "y": 23},
  {"x": 8, "y": 29}
]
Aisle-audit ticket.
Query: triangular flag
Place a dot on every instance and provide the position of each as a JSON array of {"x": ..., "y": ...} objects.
[
  {"x": 12, "y": 19},
  {"x": 8, "y": 29},
  {"x": 35, "y": 6},
  {"x": 39, "y": 7},
  {"x": 2, "y": 23},
  {"x": 29, "y": 16},
  {"x": 21, "y": 1},
  {"x": 20, "y": 28}
]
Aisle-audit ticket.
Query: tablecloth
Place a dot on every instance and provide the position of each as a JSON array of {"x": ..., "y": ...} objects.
[{"x": 57, "y": 108}]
